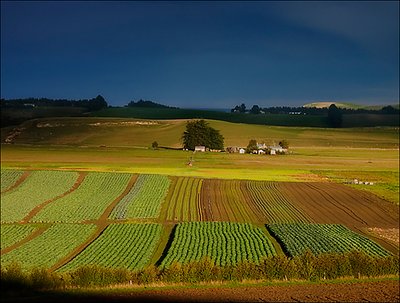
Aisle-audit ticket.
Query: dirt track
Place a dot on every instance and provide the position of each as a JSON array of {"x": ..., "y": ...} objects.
[{"x": 381, "y": 291}]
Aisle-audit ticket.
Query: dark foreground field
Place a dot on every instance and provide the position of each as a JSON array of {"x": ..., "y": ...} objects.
[{"x": 363, "y": 291}]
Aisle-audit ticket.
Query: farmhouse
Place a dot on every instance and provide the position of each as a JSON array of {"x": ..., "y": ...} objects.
[
  {"x": 277, "y": 149},
  {"x": 200, "y": 148}
]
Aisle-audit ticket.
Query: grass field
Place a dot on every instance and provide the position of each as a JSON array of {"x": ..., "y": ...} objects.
[{"x": 111, "y": 144}]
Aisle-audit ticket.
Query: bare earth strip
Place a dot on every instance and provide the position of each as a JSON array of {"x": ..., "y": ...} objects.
[
  {"x": 224, "y": 200},
  {"x": 18, "y": 183},
  {"x": 101, "y": 223},
  {"x": 335, "y": 203},
  {"x": 363, "y": 291},
  {"x": 32, "y": 236},
  {"x": 38, "y": 208}
]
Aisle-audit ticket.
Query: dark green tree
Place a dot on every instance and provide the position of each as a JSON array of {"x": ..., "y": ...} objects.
[
  {"x": 198, "y": 132},
  {"x": 154, "y": 145},
  {"x": 242, "y": 108},
  {"x": 251, "y": 146},
  {"x": 255, "y": 109},
  {"x": 335, "y": 116},
  {"x": 284, "y": 144}
]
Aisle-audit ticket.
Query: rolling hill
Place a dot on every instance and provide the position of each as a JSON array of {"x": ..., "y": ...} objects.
[{"x": 125, "y": 132}]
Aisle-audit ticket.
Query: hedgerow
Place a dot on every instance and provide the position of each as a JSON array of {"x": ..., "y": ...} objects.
[{"x": 304, "y": 267}]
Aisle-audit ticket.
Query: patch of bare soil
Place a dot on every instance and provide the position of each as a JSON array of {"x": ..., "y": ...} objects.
[
  {"x": 379, "y": 291},
  {"x": 391, "y": 234}
]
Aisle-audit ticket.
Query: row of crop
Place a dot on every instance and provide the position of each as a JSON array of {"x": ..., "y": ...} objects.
[
  {"x": 145, "y": 198},
  {"x": 127, "y": 246},
  {"x": 11, "y": 234},
  {"x": 39, "y": 187},
  {"x": 224, "y": 242},
  {"x": 9, "y": 177},
  {"x": 224, "y": 200},
  {"x": 272, "y": 203},
  {"x": 48, "y": 248},
  {"x": 296, "y": 238},
  {"x": 88, "y": 201},
  {"x": 183, "y": 199}
]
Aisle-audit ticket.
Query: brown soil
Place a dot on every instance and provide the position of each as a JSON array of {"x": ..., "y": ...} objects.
[
  {"x": 38, "y": 208},
  {"x": 377, "y": 291},
  {"x": 226, "y": 200},
  {"x": 336, "y": 203},
  {"x": 18, "y": 182}
]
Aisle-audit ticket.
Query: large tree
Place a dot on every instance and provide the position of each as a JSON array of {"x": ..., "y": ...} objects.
[
  {"x": 335, "y": 116},
  {"x": 199, "y": 133}
]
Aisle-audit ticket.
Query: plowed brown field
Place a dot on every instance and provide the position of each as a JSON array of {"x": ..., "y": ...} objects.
[
  {"x": 314, "y": 202},
  {"x": 363, "y": 291}
]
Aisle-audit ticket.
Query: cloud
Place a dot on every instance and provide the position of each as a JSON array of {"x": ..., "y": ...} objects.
[{"x": 371, "y": 25}]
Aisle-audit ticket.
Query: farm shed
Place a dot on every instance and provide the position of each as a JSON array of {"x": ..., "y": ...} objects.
[{"x": 200, "y": 148}]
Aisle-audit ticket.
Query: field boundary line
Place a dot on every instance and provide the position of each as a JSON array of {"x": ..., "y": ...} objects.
[
  {"x": 38, "y": 208},
  {"x": 80, "y": 248},
  {"x": 17, "y": 183},
  {"x": 109, "y": 209},
  {"x": 101, "y": 224},
  {"x": 28, "y": 238}
]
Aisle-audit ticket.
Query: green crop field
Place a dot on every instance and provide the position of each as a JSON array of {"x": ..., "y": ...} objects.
[
  {"x": 87, "y": 202},
  {"x": 145, "y": 198},
  {"x": 322, "y": 238},
  {"x": 225, "y": 243},
  {"x": 129, "y": 246},
  {"x": 39, "y": 187},
  {"x": 183, "y": 199},
  {"x": 11, "y": 234},
  {"x": 9, "y": 177},
  {"x": 49, "y": 247}
]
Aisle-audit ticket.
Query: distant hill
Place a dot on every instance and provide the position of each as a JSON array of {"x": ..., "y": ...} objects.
[
  {"x": 147, "y": 104},
  {"x": 347, "y": 105}
]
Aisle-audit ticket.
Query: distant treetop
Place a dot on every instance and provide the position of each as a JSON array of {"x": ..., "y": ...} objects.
[{"x": 90, "y": 104}]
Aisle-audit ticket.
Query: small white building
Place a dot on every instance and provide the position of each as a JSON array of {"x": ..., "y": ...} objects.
[
  {"x": 200, "y": 148},
  {"x": 242, "y": 150}
]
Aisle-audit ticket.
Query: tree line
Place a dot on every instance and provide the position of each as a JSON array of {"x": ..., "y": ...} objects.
[
  {"x": 255, "y": 109},
  {"x": 90, "y": 104}
]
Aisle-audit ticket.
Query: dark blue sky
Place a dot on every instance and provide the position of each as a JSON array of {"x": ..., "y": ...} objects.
[{"x": 202, "y": 54}]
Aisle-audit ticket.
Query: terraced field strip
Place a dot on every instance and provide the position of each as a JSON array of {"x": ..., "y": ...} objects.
[
  {"x": 129, "y": 246},
  {"x": 335, "y": 203},
  {"x": 273, "y": 205},
  {"x": 183, "y": 200},
  {"x": 296, "y": 238},
  {"x": 36, "y": 233},
  {"x": 11, "y": 234},
  {"x": 9, "y": 179},
  {"x": 88, "y": 201},
  {"x": 101, "y": 225},
  {"x": 50, "y": 246},
  {"x": 224, "y": 242},
  {"x": 41, "y": 186},
  {"x": 224, "y": 200},
  {"x": 38, "y": 208},
  {"x": 145, "y": 198}
]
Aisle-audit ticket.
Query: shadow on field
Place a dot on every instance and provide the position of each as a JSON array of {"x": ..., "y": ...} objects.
[{"x": 61, "y": 297}]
